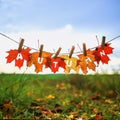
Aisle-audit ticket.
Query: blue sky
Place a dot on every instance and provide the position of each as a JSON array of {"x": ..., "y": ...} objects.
[
  {"x": 83, "y": 15},
  {"x": 62, "y": 22}
]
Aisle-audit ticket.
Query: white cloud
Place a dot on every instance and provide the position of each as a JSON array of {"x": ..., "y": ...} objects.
[
  {"x": 63, "y": 37},
  {"x": 68, "y": 28}
]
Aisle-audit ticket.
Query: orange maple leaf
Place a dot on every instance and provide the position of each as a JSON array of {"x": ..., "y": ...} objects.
[
  {"x": 87, "y": 61},
  {"x": 37, "y": 61}
]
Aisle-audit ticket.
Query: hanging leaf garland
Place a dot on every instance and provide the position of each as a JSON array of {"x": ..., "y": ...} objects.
[
  {"x": 64, "y": 61},
  {"x": 84, "y": 61}
]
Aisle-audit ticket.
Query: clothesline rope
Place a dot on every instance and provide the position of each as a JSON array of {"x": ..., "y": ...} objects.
[{"x": 62, "y": 53}]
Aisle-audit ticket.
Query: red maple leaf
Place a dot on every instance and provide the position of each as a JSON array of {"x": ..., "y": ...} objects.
[
  {"x": 19, "y": 62},
  {"x": 19, "y": 57},
  {"x": 105, "y": 59},
  {"x": 12, "y": 55},
  {"x": 25, "y": 53},
  {"x": 108, "y": 49},
  {"x": 102, "y": 55},
  {"x": 55, "y": 63},
  {"x": 97, "y": 55}
]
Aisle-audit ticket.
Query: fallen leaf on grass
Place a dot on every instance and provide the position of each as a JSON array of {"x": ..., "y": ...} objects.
[
  {"x": 58, "y": 108},
  {"x": 50, "y": 96},
  {"x": 8, "y": 111},
  {"x": 84, "y": 117},
  {"x": 95, "y": 110},
  {"x": 109, "y": 101},
  {"x": 96, "y": 97},
  {"x": 71, "y": 116},
  {"x": 80, "y": 118},
  {"x": 98, "y": 116},
  {"x": 7, "y": 105},
  {"x": 112, "y": 94}
]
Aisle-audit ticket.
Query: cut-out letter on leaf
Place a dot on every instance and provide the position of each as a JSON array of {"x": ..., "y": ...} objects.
[
  {"x": 19, "y": 57},
  {"x": 37, "y": 61},
  {"x": 87, "y": 61},
  {"x": 55, "y": 63}
]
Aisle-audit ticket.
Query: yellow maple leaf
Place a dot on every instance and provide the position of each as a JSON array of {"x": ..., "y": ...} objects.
[{"x": 71, "y": 63}]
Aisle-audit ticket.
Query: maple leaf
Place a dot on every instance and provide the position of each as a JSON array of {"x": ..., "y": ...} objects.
[
  {"x": 25, "y": 53},
  {"x": 55, "y": 63},
  {"x": 83, "y": 65},
  {"x": 37, "y": 61},
  {"x": 19, "y": 57},
  {"x": 87, "y": 61},
  {"x": 107, "y": 48},
  {"x": 97, "y": 55},
  {"x": 71, "y": 63},
  {"x": 98, "y": 116},
  {"x": 91, "y": 65},
  {"x": 7, "y": 105},
  {"x": 105, "y": 59},
  {"x": 38, "y": 67},
  {"x": 102, "y": 55},
  {"x": 19, "y": 62},
  {"x": 12, "y": 55}
]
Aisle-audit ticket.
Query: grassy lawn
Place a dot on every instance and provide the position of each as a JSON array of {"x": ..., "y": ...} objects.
[{"x": 59, "y": 96}]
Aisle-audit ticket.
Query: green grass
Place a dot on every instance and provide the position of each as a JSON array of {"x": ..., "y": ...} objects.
[{"x": 59, "y": 96}]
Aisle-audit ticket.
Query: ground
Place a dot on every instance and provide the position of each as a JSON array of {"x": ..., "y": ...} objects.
[{"x": 60, "y": 96}]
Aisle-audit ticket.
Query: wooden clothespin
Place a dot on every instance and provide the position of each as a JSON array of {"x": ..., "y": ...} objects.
[
  {"x": 57, "y": 53},
  {"x": 40, "y": 51},
  {"x": 20, "y": 45},
  {"x": 71, "y": 52},
  {"x": 84, "y": 49},
  {"x": 103, "y": 42}
]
